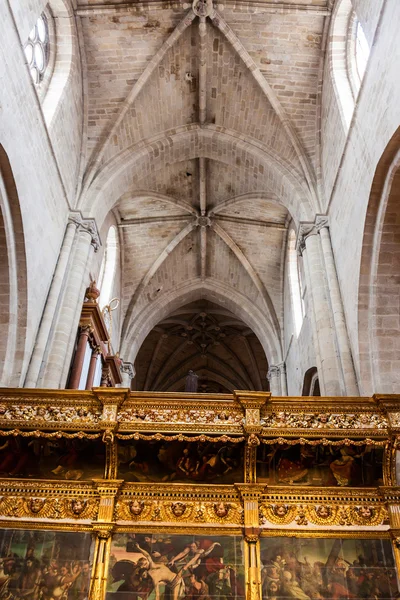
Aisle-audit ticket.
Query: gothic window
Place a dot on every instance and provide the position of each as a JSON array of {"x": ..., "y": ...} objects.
[
  {"x": 349, "y": 53},
  {"x": 296, "y": 292},
  {"x": 311, "y": 383},
  {"x": 361, "y": 51},
  {"x": 37, "y": 49},
  {"x": 108, "y": 268}
]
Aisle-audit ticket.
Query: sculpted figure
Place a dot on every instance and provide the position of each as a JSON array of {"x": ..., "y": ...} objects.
[
  {"x": 78, "y": 506},
  {"x": 221, "y": 509},
  {"x": 136, "y": 507},
  {"x": 178, "y": 508},
  {"x": 280, "y": 510},
  {"x": 36, "y": 505},
  {"x": 323, "y": 512}
]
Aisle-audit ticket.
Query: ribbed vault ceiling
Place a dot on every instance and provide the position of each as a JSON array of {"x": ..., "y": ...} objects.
[
  {"x": 208, "y": 339},
  {"x": 201, "y": 139}
]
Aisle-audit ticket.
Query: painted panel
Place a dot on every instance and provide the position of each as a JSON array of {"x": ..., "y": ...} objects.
[
  {"x": 197, "y": 462},
  {"x": 283, "y": 464},
  {"x": 176, "y": 567},
  {"x": 40, "y": 458},
  {"x": 46, "y": 565},
  {"x": 317, "y": 568}
]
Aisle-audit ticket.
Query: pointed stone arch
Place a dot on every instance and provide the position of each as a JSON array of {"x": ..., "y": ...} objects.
[
  {"x": 192, "y": 141},
  {"x": 258, "y": 321},
  {"x": 379, "y": 286},
  {"x": 13, "y": 280}
]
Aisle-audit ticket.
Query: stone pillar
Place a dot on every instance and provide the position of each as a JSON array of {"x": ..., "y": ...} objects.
[
  {"x": 277, "y": 379},
  {"x": 330, "y": 375},
  {"x": 50, "y": 306},
  {"x": 67, "y": 319},
  {"x": 282, "y": 371},
  {"x": 127, "y": 373},
  {"x": 349, "y": 375}
]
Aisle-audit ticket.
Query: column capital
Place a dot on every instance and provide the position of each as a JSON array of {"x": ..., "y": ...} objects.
[
  {"x": 305, "y": 230},
  {"x": 282, "y": 368},
  {"x": 128, "y": 368},
  {"x": 86, "y": 224},
  {"x": 273, "y": 371},
  {"x": 321, "y": 222}
]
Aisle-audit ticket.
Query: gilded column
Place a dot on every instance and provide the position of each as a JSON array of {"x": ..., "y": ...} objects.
[
  {"x": 252, "y": 402},
  {"x": 98, "y": 583},
  {"x": 251, "y": 495},
  {"x": 103, "y": 528}
]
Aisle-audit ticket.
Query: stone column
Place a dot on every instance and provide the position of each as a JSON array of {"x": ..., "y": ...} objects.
[
  {"x": 51, "y": 304},
  {"x": 282, "y": 372},
  {"x": 128, "y": 373},
  {"x": 277, "y": 379},
  {"x": 67, "y": 319},
  {"x": 349, "y": 375},
  {"x": 330, "y": 375}
]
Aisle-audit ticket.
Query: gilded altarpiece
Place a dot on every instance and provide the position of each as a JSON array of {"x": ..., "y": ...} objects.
[{"x": 118, "y": 495}]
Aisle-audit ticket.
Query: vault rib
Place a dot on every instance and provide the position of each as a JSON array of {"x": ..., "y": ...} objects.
[
  {"x": 137, "y": 88},
  {"x": 153, "y": 269},
  {"x": 225, "y": 237},
  {"x": 237, "y": 45}
]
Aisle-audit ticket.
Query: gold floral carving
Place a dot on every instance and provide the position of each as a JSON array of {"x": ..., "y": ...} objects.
[
  {"x": 367, "y": 515},
  {"x": 179, "y": 416},
  {"x": 126, "y": 510},
  {"x": 323, "y": 514},
  {"x": 325, "y": 420},
  {"x": 48, "y": 508},
  {"x": 48, "y": 414},
  {"x": 280, "y": 514},
  {"x": 178, "y": 511}
]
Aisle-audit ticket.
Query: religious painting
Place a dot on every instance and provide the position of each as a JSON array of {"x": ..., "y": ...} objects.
[
  {"x": 175, "y": 567},
  {"x": 44, "y": 565},
  {"x": 56, "y": 458},
  {"x": 181, "y": 462},
  {"x": 285, "y": 464},
  {"x": 319, "y": 568}
]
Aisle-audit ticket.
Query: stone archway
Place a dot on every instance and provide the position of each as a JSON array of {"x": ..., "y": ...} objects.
[
  {"x": 13, "y": 286},
  {"x": 379, "y": 290},
  {"x": 214, "y": 291}
]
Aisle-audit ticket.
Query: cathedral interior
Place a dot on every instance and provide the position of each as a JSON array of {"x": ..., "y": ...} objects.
[{"x": 200, "y": 300}]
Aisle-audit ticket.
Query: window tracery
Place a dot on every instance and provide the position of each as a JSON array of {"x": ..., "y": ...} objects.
[{"x": 37, "y": 49}]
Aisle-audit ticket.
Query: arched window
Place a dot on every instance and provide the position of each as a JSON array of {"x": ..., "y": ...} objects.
[
  {"x": 108, "y": 267},
  {"x": 358, "y": 53},
  {"x": 295, "y": 284},
  {"x": 311, "y": 383},
  {"x": 37, "y": 49},
  {"x": 349, "y": 53}
]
